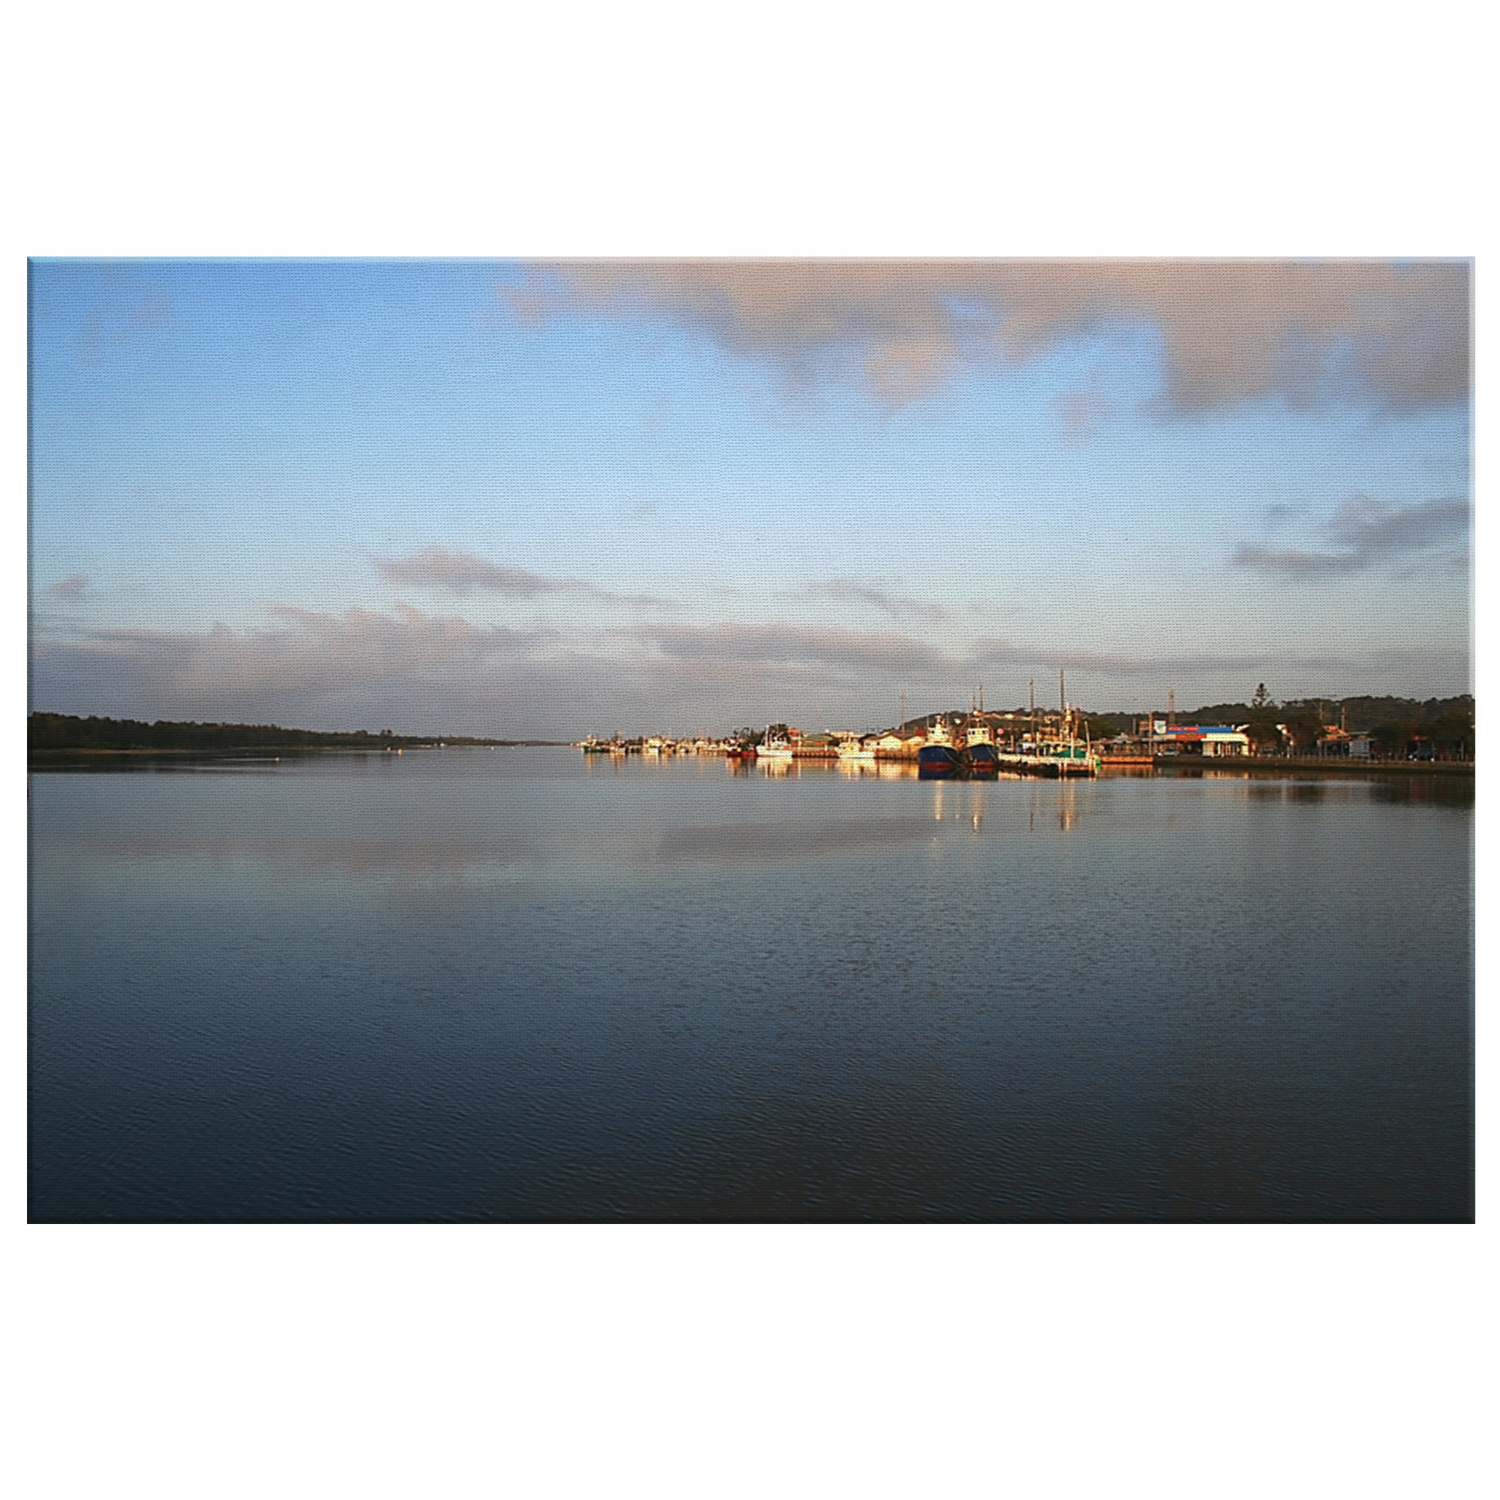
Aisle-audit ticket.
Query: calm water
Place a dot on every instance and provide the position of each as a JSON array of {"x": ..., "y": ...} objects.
[{"x": 516, "y": 984}]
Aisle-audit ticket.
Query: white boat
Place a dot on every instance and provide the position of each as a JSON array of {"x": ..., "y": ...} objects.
[
  {"x": 855, "y": 750},
  {"x": 774, "y": 748}
]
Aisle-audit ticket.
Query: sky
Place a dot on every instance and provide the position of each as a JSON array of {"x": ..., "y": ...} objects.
[{"x": 552, "y": 499}]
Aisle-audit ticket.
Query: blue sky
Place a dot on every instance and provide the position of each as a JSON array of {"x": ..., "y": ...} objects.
[{"x": 548, "y": 500}]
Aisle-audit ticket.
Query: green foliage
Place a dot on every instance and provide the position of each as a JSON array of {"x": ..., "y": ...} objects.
[
  {"x": 1453, "y": 732},
  {"x": 1365, "y": 714},
  {"x": 1395, "y": 736},
  {"x": 1226, "y": 713},
  {"x": 50, "y": 733},
  {"x": 1304, "y": 727},
  {"x": 1396, "y": 725},
  {"x": 1106, "y": 726}
]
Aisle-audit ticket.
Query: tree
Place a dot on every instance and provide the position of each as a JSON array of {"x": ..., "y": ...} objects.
[
  {"x": 1304, "y": 728},
  {"x": 1264, "y": 737},
  {"x": 1262, "y": 698},
  {"x": 1395, "y": 736},
  {"x": 1452, "y": 734}
]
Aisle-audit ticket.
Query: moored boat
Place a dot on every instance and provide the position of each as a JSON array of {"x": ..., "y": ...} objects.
[
  {"x": 774, "y": 745},
  {"x": 979, "y": 745},
  {"x": 939, "y": 756}
]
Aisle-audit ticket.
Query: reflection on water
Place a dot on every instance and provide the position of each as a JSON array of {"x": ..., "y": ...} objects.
[
  {"x": 532, "y": 984},
  {"x": 1428, "y": 791},
  {"x": 752, "y": 841}
]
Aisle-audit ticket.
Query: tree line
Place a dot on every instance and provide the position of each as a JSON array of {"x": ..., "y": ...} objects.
[
  {"x": 1396, "y": 726},
  {"x": 53, "y": 732}
]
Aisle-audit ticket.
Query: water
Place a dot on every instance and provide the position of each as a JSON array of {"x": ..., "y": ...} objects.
[{"x": 522, "y": 984}]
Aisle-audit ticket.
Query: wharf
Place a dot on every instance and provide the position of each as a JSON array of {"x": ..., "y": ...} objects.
[
  {"x": 1048, "y": 765},
  {"x": 1275, "y": 765}
]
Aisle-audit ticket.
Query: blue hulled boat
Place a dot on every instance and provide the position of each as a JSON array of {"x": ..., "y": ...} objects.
[
  {"x": 979, "y": 747},
  {"x": 939, "y": 756}
]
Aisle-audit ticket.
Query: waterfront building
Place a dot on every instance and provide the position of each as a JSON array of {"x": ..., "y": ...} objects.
[{"x": 1200, "y": 739}]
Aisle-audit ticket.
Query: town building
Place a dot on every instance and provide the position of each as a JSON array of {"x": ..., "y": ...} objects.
[{"x": 1202, "y": 739}]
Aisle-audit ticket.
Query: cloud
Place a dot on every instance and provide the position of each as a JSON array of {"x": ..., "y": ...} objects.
[
  {"x": 1277, "y": 516},
  {"x": 988, "y": 652},
  {"x": 431, "y": 673},
  {"x": 805, "y": 644},
  {"x": 1366, "y": 533},
  {"x": 119, "y": 320},
  {"x": 71, "y": 587},
  {"x": 1083, "y": 414},
  {"x": 897, "y": 655},
  {"x": 304, "y": 659},
  {"x": 877, "y": 595},
  {"x": 1310, "y": 332},
  {"x": 464, "y": 573}
]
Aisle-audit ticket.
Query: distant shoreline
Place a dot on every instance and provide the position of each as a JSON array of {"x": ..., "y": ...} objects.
[
  {"x": 1168, "y": 765},
  {"x": 61, "y": 754}
]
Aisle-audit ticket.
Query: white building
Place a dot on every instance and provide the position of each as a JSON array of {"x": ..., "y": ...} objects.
[{"x": 1199, "y": 739}]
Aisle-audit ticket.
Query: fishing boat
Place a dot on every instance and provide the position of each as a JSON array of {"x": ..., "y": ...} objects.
[
  {"x": 1070, "y": 758},
  {"x": 855, "y": 750},
  {"x": 979, "y": 745},
  {"x": 939, "y": 756},
  {"x": 774, "y": 746}
]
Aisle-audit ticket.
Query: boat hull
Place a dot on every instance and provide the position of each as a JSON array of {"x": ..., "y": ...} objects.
[{"x": 937, "y": 760}]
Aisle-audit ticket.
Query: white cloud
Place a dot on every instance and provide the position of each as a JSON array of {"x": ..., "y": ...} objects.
[{"x": 1311, "y": 332}]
